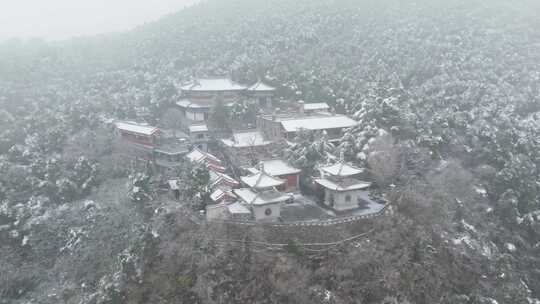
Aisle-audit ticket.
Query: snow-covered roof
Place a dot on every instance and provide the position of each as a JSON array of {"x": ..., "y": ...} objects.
[
  {"x": 277, "y": 167},
  {"x": 196, "y": 156},
  {"x": 321, "y": 122},
  {"x": 341, "y": 169},
  {"x": 219, "y": 178},
  {"x": 198, "y": 128},
  {"x": 214, "y": 167},
  {"x": 188, "y": 104},
  {"x": 213, "y": 84},
  {"x": 252, "y": 170},
  {"x": 199, "y": 156},
  {"x": 238, "y": 208},
  {"x": 244, "y": 139},
  {"x": 260, "y": 86},
  {"x": 219, "y": 193},
  {"x": 136, "y": 128},
  {"x": 316, "y": 106},
  {"x": 346, "y": 184},
  {"x": 261, "y": 198},
  {"x": 261, "y": 180}
]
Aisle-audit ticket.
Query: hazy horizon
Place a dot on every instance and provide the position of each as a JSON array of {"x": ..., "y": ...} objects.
[{"x": 63, "y": 19}]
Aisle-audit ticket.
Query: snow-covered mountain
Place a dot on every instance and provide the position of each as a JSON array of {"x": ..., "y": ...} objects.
[{"x": 455, "y": 82}]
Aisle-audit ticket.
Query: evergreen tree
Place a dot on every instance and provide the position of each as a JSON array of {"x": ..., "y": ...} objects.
[
  {"x": 193, "y": 180},
  {"x": 139, "y": 187},
  {"x": 219, "y": 118}
]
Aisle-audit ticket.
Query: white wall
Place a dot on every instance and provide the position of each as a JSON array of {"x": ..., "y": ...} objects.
[
  {"x": 259, "y": 212},
  {"x": 340, "y": 201},
  {"x": 217, "y": 212}
]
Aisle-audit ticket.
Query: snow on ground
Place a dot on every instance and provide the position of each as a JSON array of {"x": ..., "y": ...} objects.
[
  {"x": 533, "y": 301},
  {"x": 480, "y": 190},
  {"x": 511, "y": 247},
  {"x": 491, "y": 301},
  {"x": 305, "y": 208},
  {"x": 327, "y": 295},
  {"x": 76, "y": 236},
  {"x": 468, "y": 227},
  {"x": 371, "y": 206},
  {"x": 24, "y": 240},
  {"x": 486, "y": 249}
]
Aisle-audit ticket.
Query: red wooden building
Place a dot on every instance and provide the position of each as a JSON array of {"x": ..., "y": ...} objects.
[
  {"x": 137, "y": 140},
  {"x": 280, "y": 169},
  {"x": 210, "y": 161},
  {"x": 138, "y": 134}
]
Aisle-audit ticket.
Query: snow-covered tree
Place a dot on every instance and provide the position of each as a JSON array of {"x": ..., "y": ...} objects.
[
  {"x": 139, "y": 187},
  {"x": 310, "y": 149},
  {"x": 193, "y": 180},
  {"x": 383, "y": 158}
]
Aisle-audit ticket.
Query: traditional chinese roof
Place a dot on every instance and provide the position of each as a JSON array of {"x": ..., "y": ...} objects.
[
  {"x": 316, "y": 106},
  {"x": 260, "y": 86},
  {"x": 341, "y": 169},
  {"x": 277, "y": 167},
  {"x": 342, "y": 184},
  {"x": 188, "y": 104},
  {"x": 218, "y": 178},
  {"x": 261, "y": 180},
  {"x": 198, "y": 156},
  {"x": 136, "y": 128},
  {"x": 319, "y": 122},
  {"x": 261, "y": 198},
  {"x": 251, "y": 170},
  {"x": 219, "y": 194},
  {"x": 213, "y": 84},
  {"x": 244, "y": 139},
  {"x": 214, "y": 167}
]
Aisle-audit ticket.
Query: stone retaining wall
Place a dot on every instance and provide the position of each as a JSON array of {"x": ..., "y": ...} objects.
[
  {"x": 326, "y": 222},
  {"x": 302, "y": 231}
]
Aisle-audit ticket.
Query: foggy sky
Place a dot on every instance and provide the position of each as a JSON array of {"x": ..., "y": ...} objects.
[{"x": 60, "y": 19}]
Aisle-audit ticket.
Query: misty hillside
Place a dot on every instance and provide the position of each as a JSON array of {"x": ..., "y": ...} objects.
[{"x": 455, "y": 82}]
